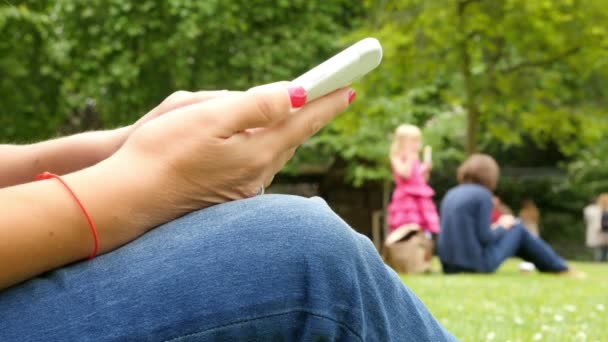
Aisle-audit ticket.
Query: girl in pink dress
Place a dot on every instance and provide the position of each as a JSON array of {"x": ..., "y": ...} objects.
[{"x": 412, "y": 201}]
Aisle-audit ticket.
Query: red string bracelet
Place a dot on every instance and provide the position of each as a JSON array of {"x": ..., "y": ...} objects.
[{"x": 48, "y": 175}]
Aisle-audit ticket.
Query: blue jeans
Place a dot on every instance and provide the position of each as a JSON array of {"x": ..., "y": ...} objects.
[
  {"x": 519, "y": 242},
  {"x": 272, "y": 267}
]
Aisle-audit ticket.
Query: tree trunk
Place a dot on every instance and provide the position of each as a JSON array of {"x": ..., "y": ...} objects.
[{"x": 469, "y": 87}]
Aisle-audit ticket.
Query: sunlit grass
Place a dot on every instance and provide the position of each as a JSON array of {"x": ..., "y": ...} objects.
[{"x": 511, "y": 306}]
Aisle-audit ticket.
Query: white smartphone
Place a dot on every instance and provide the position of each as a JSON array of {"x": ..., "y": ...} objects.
[
  {"x": 428, "y": 151},
  {"x": 342, "y": 69}
]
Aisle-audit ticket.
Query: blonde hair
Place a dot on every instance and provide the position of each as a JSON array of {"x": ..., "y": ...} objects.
[
  {"x": 401, "y": 133},
  {"x": 602, "y": 201}
]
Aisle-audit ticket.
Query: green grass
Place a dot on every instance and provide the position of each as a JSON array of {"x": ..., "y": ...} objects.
[{"x": 511, "y": 306}]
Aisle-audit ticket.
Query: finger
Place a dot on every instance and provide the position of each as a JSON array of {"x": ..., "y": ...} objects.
[
  {"x": 254, "y": 130},
  {"x": 297, "y": 128},
  {"x": 282, "y": 159},
  {"x": 283, "y": 84},
  {"x": 185, "y": 98},
  {"x": 268, "y": 181},
  {"x": 180, "y": 99},
  {"x": 259, "y": 107},
  {"x": 270, "y": 170},
  {"x": 278, "y": 164},
  {"x": 175, "y": 101}
]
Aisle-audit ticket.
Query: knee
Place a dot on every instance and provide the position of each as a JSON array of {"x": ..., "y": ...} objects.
[
  {"x": 292, "y": 244},
  {"x": 305, "y": 227},
  {"x": 283, "y": 252},
  {"x": 309, "y": 237},
  {"x": 521, "y": 230},
  {"x": 292, "y": 227}
]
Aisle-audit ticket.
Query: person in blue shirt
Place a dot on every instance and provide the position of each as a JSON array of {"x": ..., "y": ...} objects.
[{"x": 469, "y": 242}]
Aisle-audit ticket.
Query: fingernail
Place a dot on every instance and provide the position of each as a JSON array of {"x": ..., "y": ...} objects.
[
  {"x": 297, "y": 95},
  {"x": 351, "y": 96}
]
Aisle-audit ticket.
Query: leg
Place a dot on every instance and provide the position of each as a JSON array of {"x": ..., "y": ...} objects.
[
  {"x": 597, "y": 253},
  {"x": 267, "y": 268},
  {"x": 454, "y": 269},
  {"x": 518, "y": 241}
]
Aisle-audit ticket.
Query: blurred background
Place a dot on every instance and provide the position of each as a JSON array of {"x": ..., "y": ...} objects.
[{"x": 525, "y": 81}]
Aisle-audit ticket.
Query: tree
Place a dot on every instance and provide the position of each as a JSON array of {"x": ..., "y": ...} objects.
[
  {"x": 518, "y": 68},
  {"x": 124, "y": 57},
  {"x": 475, "y": 74},
  {"x": 29, "y": 91}
]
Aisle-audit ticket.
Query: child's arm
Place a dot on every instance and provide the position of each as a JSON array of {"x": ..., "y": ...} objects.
[
  {"x": 402, "y": 167},
  {"x": 426, "y": 171}
]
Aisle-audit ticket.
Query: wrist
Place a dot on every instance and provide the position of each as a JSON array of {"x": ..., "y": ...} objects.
[{"x": 122, "y": 202}]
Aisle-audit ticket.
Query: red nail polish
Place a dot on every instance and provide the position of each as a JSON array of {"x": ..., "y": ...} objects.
[
  {"x": 297, "y": 96},
  {"x": 351, "y": 96}
]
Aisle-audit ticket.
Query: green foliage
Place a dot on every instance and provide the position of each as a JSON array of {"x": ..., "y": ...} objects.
[
  {"x": 588, "y": 174},
  {"x": 537, "y": 74},
  {"x": 536, "y": 69},
  {"x": 363, "y": 137},
  {"x": 29, "y": 92},
  {"x": 126, "y": 56},
  {"x": 561, "y": 210},
  {"x": 510, "y": 306}
]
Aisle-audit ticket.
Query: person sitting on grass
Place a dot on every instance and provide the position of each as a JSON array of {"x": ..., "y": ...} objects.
[
  {"x": 187, "y": 250},
  {"x": 468, "y": 241}
]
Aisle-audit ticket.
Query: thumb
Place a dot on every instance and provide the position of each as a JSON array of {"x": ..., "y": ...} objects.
[{"x": 258, "y": 107}]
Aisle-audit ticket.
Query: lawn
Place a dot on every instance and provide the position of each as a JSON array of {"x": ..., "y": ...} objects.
[{"x": 511, "y": 306}]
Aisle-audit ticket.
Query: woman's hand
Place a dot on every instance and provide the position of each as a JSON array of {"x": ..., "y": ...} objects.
[
  {"x": 190, "y": 158},
  {"x": 174, "y": 101},
  {"x": 177, "y": 100},
  {"x": 222, "y": 149}
]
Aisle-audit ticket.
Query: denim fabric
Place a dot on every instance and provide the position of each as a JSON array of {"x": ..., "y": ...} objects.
[
  {"x": 518, "y": 241},
  {"x": 455, "y": 269},
  {"x": 273, "y": 267}
]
